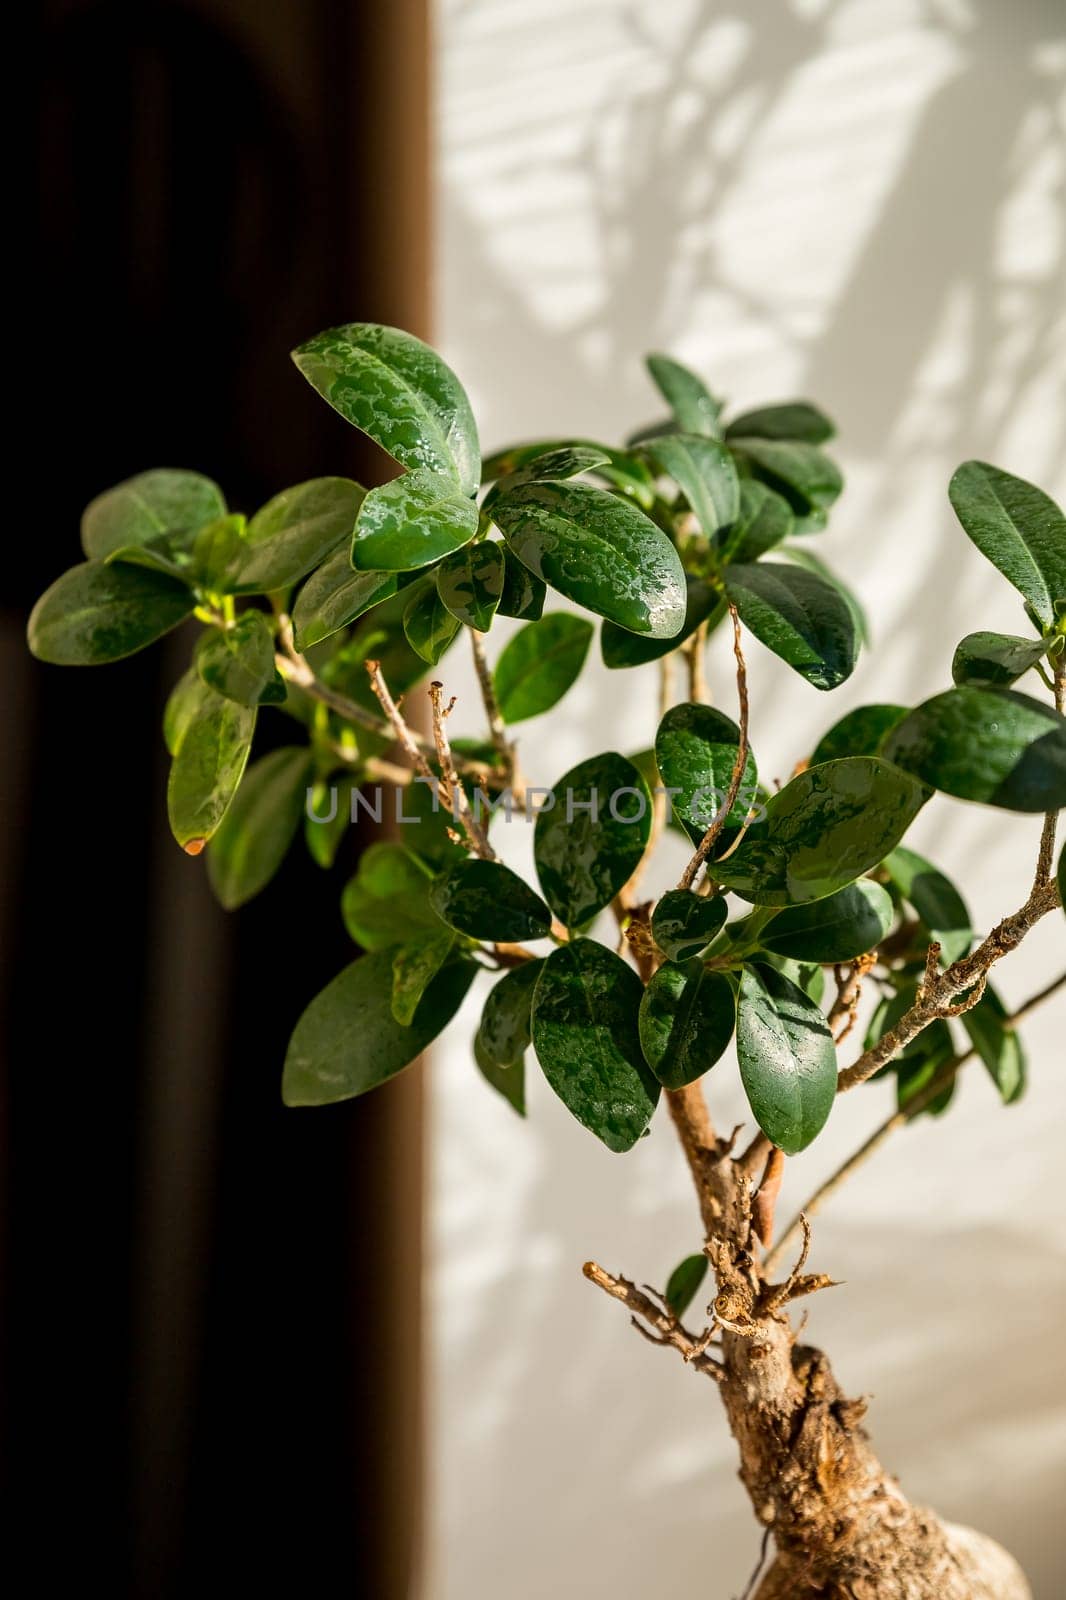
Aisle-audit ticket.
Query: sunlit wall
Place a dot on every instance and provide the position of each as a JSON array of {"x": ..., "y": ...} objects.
[{"x": 860, "y": 201}]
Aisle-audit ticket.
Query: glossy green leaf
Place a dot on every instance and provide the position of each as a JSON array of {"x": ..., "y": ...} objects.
[
  {"x": 348, "y": 1041},
  {"x": 1018, "y": 528},
  {"x": 238, "y": 662},
  {"x": 208, "y": 767},
  {"x": 411, "y": 522},
  {"x": 684, "y": 1283},
  {"x": 504, "y": 1031},
  {"x": 858, "y": 733},
  {"x": 687, "y": 1017},
  {"x": 998, "y": 1045},
  {"x": 587, "y": 844},
  {"x": 696, "y": 751},
  {"x": 96, "y": 613},
  {"x": 554, "y": 465},
  {"x": 799, "y": 616},
  {"x": 508, "y": 1080},
  {"x": 163, "y": 501},
  {"x": 599, "y": 551},
  {"x": 163, "y": 555},
  {"x": 334, "y": 596},
  {"x": 794, "y": 419},
  {"x": 400, "y": 393},
  {"x": 523, "y": 593},
  {"x": 428, "y": 624},
  {"x": 787, "y": 1058},
  {"x": 806, "y": 975},
  {"x": 470, "y": 583},
  {"x": 693, "y": 405},
  {"x": 260, "y": 825},
  {"x": 806, "y": 477},
  {"x": 684, "y": 923},
  {"x": 387, "y": 902},
  {"x": 824, "y": 829},
  {"x": 181, "y": 708},
  {"x": 414, "y": 966},
  {"x": 706, "y": 474},
  {"x": 764, "y": 519},
  {"x": 620, "y": 468},
  {"x": 486, "y": 900},
  {"x": 995, "y": 660},
  {"x": 991, "y": 745},
  {"x": 620, "y": 648},
  {"x": 294, "y": 532},
  {"x": 584, "y": 1025},
  {"x": 538, "y": 665},
  {"x": 327, "y": 817},
  {"x": 936, "y": 900},
  {"x": 801, "y": 556},
  {"x": 838, "y": 928},
  {"x": 217, "y": 552}
]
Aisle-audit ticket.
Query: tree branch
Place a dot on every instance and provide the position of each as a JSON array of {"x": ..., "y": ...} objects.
[
  {"x": 454, "y": 793},
  {"x": 706, "y": 844},
  {"x": 497, "y": 730},
  {"x": 667, "y": 1329}
]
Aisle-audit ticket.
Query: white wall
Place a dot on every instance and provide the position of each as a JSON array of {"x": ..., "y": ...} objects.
[{"x": 861, "y": 201}]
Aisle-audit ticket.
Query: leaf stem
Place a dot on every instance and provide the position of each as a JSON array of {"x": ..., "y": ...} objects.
[{"x": 703, "y": 849}]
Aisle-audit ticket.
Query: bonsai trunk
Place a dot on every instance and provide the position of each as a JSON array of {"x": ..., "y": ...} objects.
[{"x": 841, "y": 1527}]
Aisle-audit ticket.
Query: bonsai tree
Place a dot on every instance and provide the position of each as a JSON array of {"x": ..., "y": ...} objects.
[{"x": 331, "y": 603}]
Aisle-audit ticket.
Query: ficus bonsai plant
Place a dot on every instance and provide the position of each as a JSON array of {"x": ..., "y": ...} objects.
[{"x": 331, "y": 603}]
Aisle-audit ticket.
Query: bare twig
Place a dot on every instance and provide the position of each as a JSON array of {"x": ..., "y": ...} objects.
[
  {"x": 454, "y": 793},
  {"x": 706, "y": 844},
  {"x": 765, "y": 1199},
  {"x": 845, "y": 1008},
  {"x": 899, "y": 1119},
  {"x": 694, "y": 652},
  {"x": 412, "y": 745},
  {"x": 1046, "y": 856},
  {"x": 665, "y": 1328},
  {"x": 497, "y": 730}
]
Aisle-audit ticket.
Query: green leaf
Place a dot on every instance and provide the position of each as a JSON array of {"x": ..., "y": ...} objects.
[
  {"x": 998, "y": 1045},
  {"x": 687, "y": 1017},
  {"x": 587, "y": 844},
  {"x": 620, "y": 648},
  {"x": 683, "y": 923},
  {"x": 163, "y": 555},
  {"x": 621, "y": 469},
  {"x": 858, "y": 733},
  {"x": 216, "y": 552},
  {"x": 260, "y": 825},
  {"x": 538, "y": 665},
  {"x": 503, "y": 1035},
  {"x": 684, "y": 1283},
  {"x": 163, "y": 501},
  {"x": 800, "y": 556},
  {"x": 807, "y": 976},
  {"x": 181, "y": 708},
  {"x": 584, "y": 1024},
  {"x": 995, "y": 660},
  {"x": 799, "y": 616},
  {"x": 838, "y": 928},
  {"x": 1018, "y": 527},
  {"x": 990, "y": 745},
  {"x": 429, "y": 625},
  {"x": 823, "y": 830},
  {"x": 523, "y": 594},
  {"x": 327, "y": 818},
  {"x": 787, "y": 1058},
  {"x": 348, "y": 1040},
  {"x": 693, "y": 405},
  {"x": 696, "y": 751},
  {"x": 238, "y": 662},
  {"x": 763, "y": 520},
  {"x": 794, "y": 419},
  {"x": 334, "y": 596},
  {"x": 96, "y": 613},
  {"x": 920, "y": 1061},
  {"x": 470, "y": 583},
  {"x": 414, "y": 966},
  {"x": 706, "y": 474},
  {"x": 400, "y": 393},
  {"x": 805, "y": 476},
  {"x": 208, "y": 767},
  {"x": 936, "y": 900},
  {"x": 508, "y": 1080},
  {"x": 553, "y": 465},
  {"x": 294, "y": 532},
  {"x": 599, "y": 551},
  {"x": 411, "y": 522},
  {"x": 379, "y": 636},
  {"x": 387, "y": 902},
  {"x": 486, "y": 900}
]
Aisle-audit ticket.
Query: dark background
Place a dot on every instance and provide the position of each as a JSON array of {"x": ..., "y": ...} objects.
[{"x": 211, "y": 1303}]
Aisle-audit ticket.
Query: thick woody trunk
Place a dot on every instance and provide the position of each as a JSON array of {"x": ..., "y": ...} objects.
[{"x": 842, "y": 1529}]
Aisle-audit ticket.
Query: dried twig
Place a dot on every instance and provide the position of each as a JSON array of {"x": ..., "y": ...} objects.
[
  {"x": 845, "y": 1008},
  {"x": 454, "y": 793},
  {"x": 662, "y": 1327},
  {"x": 706, "y": 844},
  {"x": 497, "y": 729},
  {"x": 765, "y": 1199},
  {"x": 404, "y": 735}
]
